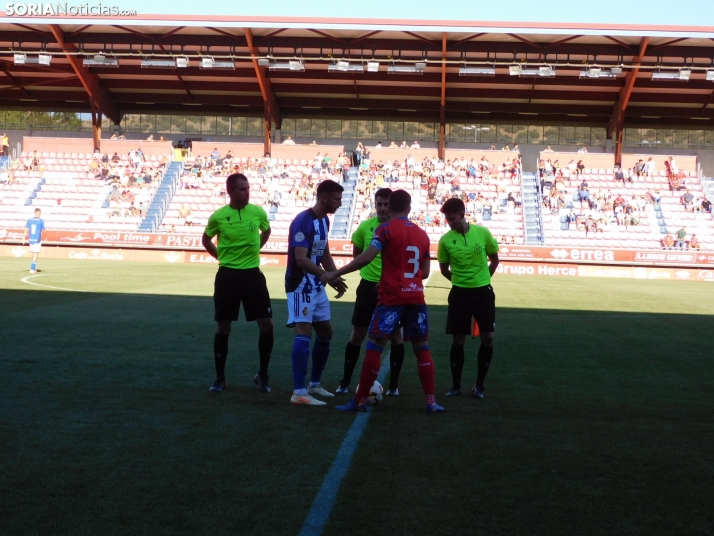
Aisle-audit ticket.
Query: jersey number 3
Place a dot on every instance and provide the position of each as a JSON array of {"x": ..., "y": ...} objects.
[{"x": 414, "y": 260}]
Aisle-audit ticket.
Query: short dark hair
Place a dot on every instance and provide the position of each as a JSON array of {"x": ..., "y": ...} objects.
[
  {"x": 453, "y": 206},
  {"x": 400, "y": 201},
  {"x": 384, "y": 193},
  {"x": 329, "y": 187},
  {"x": 233, "y": 179}
]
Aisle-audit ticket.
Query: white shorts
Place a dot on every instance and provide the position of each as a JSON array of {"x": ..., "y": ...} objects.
[
  {"x": 310, "y": 307},
  {"x": 35, "y": 248}
]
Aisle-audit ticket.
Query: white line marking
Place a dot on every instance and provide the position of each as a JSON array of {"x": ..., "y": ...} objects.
[
  {"x": 25, "y": 280},
  {"x": 325, "y": 499}
]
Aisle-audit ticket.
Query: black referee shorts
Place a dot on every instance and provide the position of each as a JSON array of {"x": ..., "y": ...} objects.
[
  {"x": 467, "y": 303},
  {"x": 364, "y": 304},
  {"x": 235, "y": 286}
]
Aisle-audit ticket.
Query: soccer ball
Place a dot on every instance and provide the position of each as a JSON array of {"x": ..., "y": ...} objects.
[{"x": 376, "y": 393}]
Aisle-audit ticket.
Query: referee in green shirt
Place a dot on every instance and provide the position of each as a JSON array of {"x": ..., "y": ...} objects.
[
  {"x": 366, "y": 301},
  {"x": 464, "y": 254},
  {"x": 242, "y": 229}
]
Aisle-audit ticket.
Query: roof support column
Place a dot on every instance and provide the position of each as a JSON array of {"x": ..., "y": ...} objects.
[
  {"x": 263, "y": 81},
  {"x": 617, "y": 123},
  {"x": 268, "y": 124},
  {"x": 442, "y": 111}
]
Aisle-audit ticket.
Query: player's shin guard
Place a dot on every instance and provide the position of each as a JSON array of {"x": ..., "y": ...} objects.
[
  {"x": 265, "y": 349},
  {"x": 220, "y": 354},
  {"x": 485, "y": 354},
  {"x": 351, "y": 358},
  {"x": 320, "y": 353},
  {"x": 370, "y": 371},
  {"x": 426, "y": 373},
  {"x": 456, "y": 357},
  {"x": 300, "y": 357},
  {"x": 396, "y": 360}
]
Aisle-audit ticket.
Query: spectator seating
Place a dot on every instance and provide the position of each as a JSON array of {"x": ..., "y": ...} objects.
[
  {"x": 653, "y": 223},
  {"x": 69, "y": 193}
]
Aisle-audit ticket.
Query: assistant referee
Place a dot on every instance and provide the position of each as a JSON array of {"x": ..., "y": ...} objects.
[
  {"x": 242, "y": 229},
  {"x": 464, "y": 254}
]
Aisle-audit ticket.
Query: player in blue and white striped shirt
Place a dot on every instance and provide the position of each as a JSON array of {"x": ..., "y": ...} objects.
[
  {"x": 34, "y": 233},
  {"x": 308, "y": 307}
]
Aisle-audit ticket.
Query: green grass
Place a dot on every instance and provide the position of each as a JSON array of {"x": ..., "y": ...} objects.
[{"x": 597, "y": 417}]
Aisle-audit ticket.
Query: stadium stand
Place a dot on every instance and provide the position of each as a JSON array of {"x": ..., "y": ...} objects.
[
  {"x": 627, "y": 208},
  {"x": 80, "y": 190},
  {"x": 613, "y": 207}
]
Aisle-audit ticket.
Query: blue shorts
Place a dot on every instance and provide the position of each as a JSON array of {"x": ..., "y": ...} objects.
[{"x": 387, "y": 318}]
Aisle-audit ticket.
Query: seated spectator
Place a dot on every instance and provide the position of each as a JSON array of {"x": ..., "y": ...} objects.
[
  {"x": 706, "y": 205},
  {"x": 393, "y": 145},
  {"x": 583, "y": 150},
  {"x": 288, "y": 141},
  {"x": 547, "y": 149},
  {"x": 150, "y": 138},
  {"x": 403, "y": 145},
  {"x": 113, "y": 137},
  {"x": 694, "y": 242},
  {"x": 415, "y": 145},
  {"x": 314, "y": 142},
  {"x": 116, "y": 158},
  {"x": 379, "y": 145},
  {"x": 215, "y": 155},
  {"x": 579, "y": 167},
  {"x": 618, "y": 174},
  {"x": 686, "y": 201}
]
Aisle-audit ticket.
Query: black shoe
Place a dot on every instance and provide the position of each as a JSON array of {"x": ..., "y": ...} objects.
[
  {"x": 477, "y": 391},
  {"x": 454, "y": 391},
  {"x": 218, "y": 386},
  {"x": 262, "y": 383}
]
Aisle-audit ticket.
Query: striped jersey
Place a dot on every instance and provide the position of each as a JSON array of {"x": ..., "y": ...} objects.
[{"x": 307, "y": 231}]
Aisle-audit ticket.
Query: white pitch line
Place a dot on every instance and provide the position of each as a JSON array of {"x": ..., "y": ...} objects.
[
  {"x": 325, "y": 500},
  {"x": 25, "y": 280}
]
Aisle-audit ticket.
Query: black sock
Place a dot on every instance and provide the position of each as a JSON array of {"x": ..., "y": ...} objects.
[
  {"x": 485, "y": 353},
  {"x": 456, "y": 358},
  {"x": 265, "y": 348},
  {"x": 396, "y": 360},
  {"x": 220, "y": 353},
  {"x": 351, "y": 358}
]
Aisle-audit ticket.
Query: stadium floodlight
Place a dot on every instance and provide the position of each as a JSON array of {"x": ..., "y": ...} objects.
[
  {"x": 373, "y": 66},
  {"x": 208, "y": 62},
  {"x": 100, "y": 60},
  {"x": 520, "y": 70},
  {"x": 20, "y": 58},
  {"x": 682, "y": 75},
  {"x": 161, "y": 64},
  {"x": 342, "y": 66},
  {"x": 597, "y": 72},
  {"x": 420, "y": 66},
  {"x": 264, "y": 62},
  {"x": 292, "y": 65},
  {"x": 181, "y": 62},
  {"x": 616, "y": 70},
  {"x": 477, "y": 71},
  {"x": 710, "y": 75},
  {"x": 406, "y": 69}
]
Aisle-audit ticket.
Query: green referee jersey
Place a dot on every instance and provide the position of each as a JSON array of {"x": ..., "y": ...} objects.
[
  {"x": 467, "y": 254},
  {"x": 238, "y": 233},
  {"x": 362, "y": 238}
]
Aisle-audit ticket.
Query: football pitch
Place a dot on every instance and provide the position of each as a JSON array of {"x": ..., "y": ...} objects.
[{"x": 598, "y": 416}]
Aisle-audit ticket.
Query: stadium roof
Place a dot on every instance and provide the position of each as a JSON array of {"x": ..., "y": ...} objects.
[{"x": 438, "y": 53}]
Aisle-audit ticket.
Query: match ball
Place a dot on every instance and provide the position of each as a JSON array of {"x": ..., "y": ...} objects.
[{"x": 376, "y": 393}]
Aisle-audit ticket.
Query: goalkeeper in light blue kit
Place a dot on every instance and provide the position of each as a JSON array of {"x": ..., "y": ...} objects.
[{"x": 34, "y": 233}]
